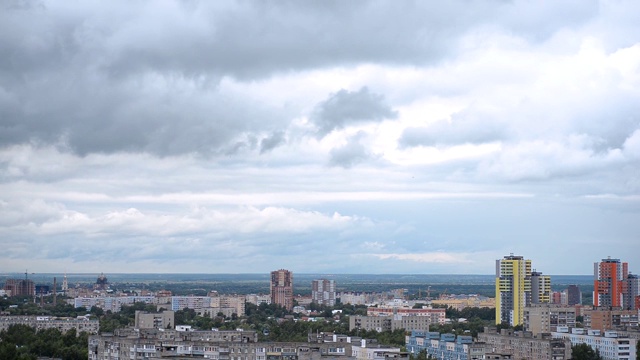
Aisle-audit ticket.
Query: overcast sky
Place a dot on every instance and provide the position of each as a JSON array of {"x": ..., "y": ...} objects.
[{"x": 318, "y": 136}]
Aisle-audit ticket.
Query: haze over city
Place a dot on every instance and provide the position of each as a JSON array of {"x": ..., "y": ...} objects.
[{"x": 321, "y": 137}]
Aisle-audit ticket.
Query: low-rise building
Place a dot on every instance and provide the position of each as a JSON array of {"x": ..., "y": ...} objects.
[
  {"x": 389, "y": 323},
  {"x": 376, "y": 352},
  {"x": 227, "y": 305},
  {"x": 610, "y": 344},
  {"x": 80, "y": 324},
  {"x": 258, "y": 299},
  {"x": 437, "y": 315},
  {"x": 111, "y": 303},
  {"x": 460, "y": 302},
  {"x": 163, "y": 320},
  {"x": 524, "y": 345},
  {"x": 198, "y": 303},
  {"x": 221, "y": 345},
  {"x": 445, "y": 346}
]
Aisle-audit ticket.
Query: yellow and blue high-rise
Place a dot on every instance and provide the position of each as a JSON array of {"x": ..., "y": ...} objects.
[{"x": 513, "y": 289}]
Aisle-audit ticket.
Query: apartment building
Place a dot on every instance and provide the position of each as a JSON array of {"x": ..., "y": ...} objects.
[
  {"x": 513, "y": 289},
  {"x": 460, "y": 302},
  {"x": 524, "y": 345},
  {"x": 545, "y": 318},
  {"x": 111, "y": 303},
  {"x": 609, "y": 282},
  {"x": 389, "y": 323},
  {"x": 323, "y": 292},
  {"x": 610, "y": 344},
  {"x": 281, "y": 288},
  {"x": 445, "y": 346},
  {"x": 220, "y": 345},
  {"x": 437, "y": 315},
  {"x": 227, "y": 305},
  {"x": 258, "y": 299},
  {"x": 609, "y": 319},
  {"x": 49, "y": 322},
  {"x": 19, "y": 287},
  {"x": 376, "y": 352},
  {"x": 198, "y": 303},
  {"x": 146, "y": 320}
]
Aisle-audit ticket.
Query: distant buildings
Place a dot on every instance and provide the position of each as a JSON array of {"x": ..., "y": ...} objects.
[
  {"x": 323, "y": 292},
  {"x": 516, "y": 287},
  {"x": 631, "y": 298},
  {"x": 389, "y": 323},
  {"x": 436, "y": 316},
  {"x": 51, "y": 322},
  {"x": 281, "y": 288},
  {"x": 102, "y": 283},
  {"x": 574, "y": 295},
  {"x": 20, "y": 287},
  {"x": 460, "y": 302}
]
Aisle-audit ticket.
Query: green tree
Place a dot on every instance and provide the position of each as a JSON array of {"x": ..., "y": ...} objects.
[{"x": 584, "y": 352}]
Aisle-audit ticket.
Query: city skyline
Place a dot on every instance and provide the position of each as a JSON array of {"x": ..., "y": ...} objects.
[{"x": 334, "y": 137}]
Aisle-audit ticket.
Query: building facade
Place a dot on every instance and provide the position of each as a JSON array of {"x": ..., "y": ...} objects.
[
  {"x": 609, "y": 282},
  {"x": 540, "y": 288},
  {"x": 545, "y": 318},
  {"x": 631, "y": 299},
  {"x": 323, "y": 292},
  {"x": 51, "y": 322},
  {"x": 609, "y": 344},
  {"x": 513, "y": 289},
  {"x": 20, "y": 287},
  {"x": 610, "y": 319},
  {"x": 219, "y": 345},
  {"x": 436, "y": 316},
  {"x": 389, "y": 323},
  {"x": 281, "y": 288},
  {"x": 444, "y": 346},
  {"x": 163, "y": 320},
  {"x": 523, "y": 345}
]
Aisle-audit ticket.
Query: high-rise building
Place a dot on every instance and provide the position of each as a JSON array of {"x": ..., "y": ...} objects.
[
  {"x": 609, "y": 282},
  {"x": 19, "y": 287},
  {"x": 323, "y": 292},
  {"x": 513, "y": 289},
  {"x": 574, "y": 295},
  {"x": 281, "y": 289},
  {"x": 540, "y": 288},
  {"x": 632, "y": 297}
]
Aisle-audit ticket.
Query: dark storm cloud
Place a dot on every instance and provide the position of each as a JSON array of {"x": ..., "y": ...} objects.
[{"x": 346, "y": 107}]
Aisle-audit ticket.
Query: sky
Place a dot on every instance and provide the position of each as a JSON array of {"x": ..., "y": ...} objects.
[{"x": 414, "y": 137}]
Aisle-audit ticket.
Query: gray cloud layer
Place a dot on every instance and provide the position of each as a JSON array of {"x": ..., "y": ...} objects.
[{"x": 416, "y": 136}]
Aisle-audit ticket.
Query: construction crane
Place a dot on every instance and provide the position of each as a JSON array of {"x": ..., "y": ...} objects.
[{"x": 443, "y": 294}]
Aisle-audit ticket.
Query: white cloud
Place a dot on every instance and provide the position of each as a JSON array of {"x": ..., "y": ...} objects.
[{"x": 263, "y": 131}]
